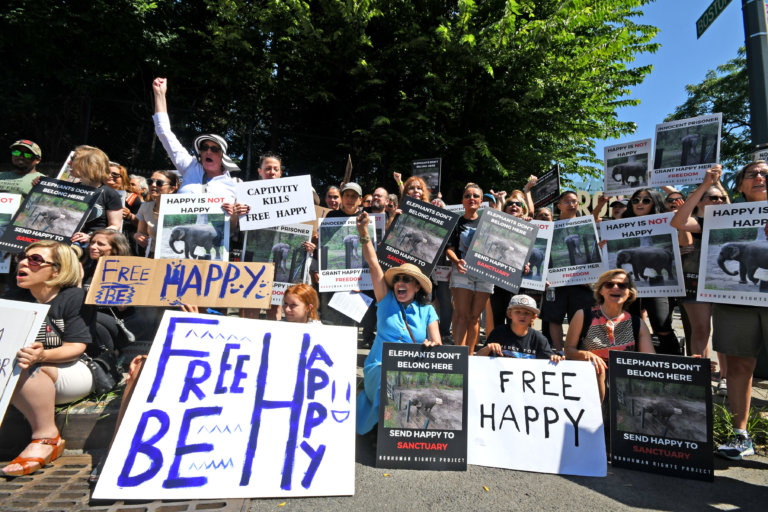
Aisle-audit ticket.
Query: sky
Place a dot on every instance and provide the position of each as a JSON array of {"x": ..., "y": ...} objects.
[{"x": 681, "y": 60}]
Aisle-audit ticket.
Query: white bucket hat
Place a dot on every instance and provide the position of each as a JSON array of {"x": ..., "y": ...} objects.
[{"x": 227, "y": 162}]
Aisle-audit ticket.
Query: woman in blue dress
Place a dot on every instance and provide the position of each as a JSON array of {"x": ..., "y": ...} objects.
[{"x": 402, "y": 295}]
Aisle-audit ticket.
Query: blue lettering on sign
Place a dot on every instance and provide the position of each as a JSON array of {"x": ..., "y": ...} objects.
[
  {"x": 176, "y": 276},
  {"x": 115, "y": 294},
  {"x": 174, "y": 480}
]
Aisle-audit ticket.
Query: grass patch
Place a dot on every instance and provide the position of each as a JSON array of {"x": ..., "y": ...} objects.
[{"x": 757, "y": 426}]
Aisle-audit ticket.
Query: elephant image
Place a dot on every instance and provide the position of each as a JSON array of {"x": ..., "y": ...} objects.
[
  {"x": 750, "y": 255},
  {"x": 688, "y": 157},
  {"x": 536, "y": 260},
  {"x": 351, "y": 245},
  {"x": 425, "y": 403},
  {"x": 280, "y": 254},
  {"x": 572, "y": 242},
  {"x": 194, "y": 236},
  {"x": 641, "y": 258},
  {"x": 503, "y": 250},
  {"x": 630, "y": 169},
  {"x": 411, "y": 239}
]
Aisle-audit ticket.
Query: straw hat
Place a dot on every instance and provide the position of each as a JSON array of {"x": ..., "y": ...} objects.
[{"x": 412, "y": 270}]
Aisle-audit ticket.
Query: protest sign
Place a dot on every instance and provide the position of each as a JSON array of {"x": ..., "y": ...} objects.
[
  {"x": 276, "y": 202},
  {"x": 547, "y": 187},
  {"x": 380, "y": 220},
  {"x": 661, "y": 414},
  {"x": 234, "y": 408},
  {"x": 137, "y": 281},
  {"x": 733, "y": 268},
  {"x": 685, "y": 149},
  {"x": 537, "y": 277},
  {"x": 284, "y": 247},
  {"x": 9, "y": 203},
  {"x": 423, "y": 411},
  {"x": 53, "y": 210},
  {"x": 417, "y": 236},
  {"x": 500, "y": 249},
  {"x": 19, "y": 325},
  {"x": 575, "y": 258},
  {"x": 647, "y": 248},
  {"x": 428, "y": 169},
  {"x": 458, "y": 209},
  {"x": 761, "y": 154},
  {"x": 533, "y": 415},
  {"x": 66, "y": 167},
  {"x": 342, "y": 266},
  {"x": 627, "y": 167},
  {"x": 192, "y": 226},
  {"x": 352, "y": 304}
]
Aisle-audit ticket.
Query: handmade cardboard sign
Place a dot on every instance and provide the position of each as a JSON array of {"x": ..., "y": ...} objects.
[
  {"x": 500, "y": 249},
  {"x": 547, "y": 187},
  {"x": 627, "y": 167},
  {"x": 423, "y": 411},
  {"x": 283, "y": 247},
  {"x": 733, "y": 268},
  {"x": 647, "y": 248},
  {"x": 342, "y": 266},
  {"x": 19, "y": 324},
  {"x": 536, "y": 278},
  {"x": 661, "y": 414},
  {"x": 53, "y": 210},
  {"x": 534, "y": 415},
  {"x": 685, "y": 149},
  {"x": 428, "y": 169},
  {"x": 276, "y": 202},
  {"x": 234, "y": 408},
  {"x": 9, "y": 203},
  {"x": 417, "y": 236},
  {"x": 575, "y": 257},
  {"x": 192, "y": 226},
  {"x": 137, "y": 281}
]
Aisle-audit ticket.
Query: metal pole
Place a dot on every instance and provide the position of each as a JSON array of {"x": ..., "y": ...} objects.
[{"x": 756, "y": 41}]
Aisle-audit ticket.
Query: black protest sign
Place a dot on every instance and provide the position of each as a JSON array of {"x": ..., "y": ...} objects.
[
  {"x": 417, "y": 236},
  {"x": 423, "y": 407},
  {"x": 500, "y": 249},
  {"x": 547, "y": 187},
  {"x": 661, "y": 414},
  {"x": 53, "y": 210},
  {"x": 428, "y": 169}
]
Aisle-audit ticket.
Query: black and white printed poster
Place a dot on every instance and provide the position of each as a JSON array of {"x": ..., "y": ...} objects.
[
  {"x": 500, "y": 249},
  {"x": 537, "y": 277},
  {"x": 685, "y": 149},
  {"x": 423, "y": 407},
  {"x": 53, "y": 210},
  {"x": 647, "y": 248},
  {"x": 417, "y": 236},
  {"x": 575, "y": 257},
  {"x": 547, "y": 187},
  {"x": 661, "y": 414},
  {"x": 626, "y": 167},
  {"x": 342, "y": 264},
  {"x": 428, "y": 169}
]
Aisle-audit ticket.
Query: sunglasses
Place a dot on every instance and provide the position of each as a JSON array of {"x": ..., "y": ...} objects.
[
  {"x": 115, "y": 175},
  {"x": 17, "y": 152},
  {"x": 749, "y": 175},
  {"x": 159, "y": 183},
  {"x": 673, "y": 199},
  {"x": 612, "y": 285},
  {"x": 35, "y": 260},
  {"x": 645, "y": 200},
  {"x": 519, "y": 204},
  {"x": 211, "y": 147},
  {"x": 404, "y": 278},
  {"x": 715, "y": 198},
  {"x": 471, "y": 196}
]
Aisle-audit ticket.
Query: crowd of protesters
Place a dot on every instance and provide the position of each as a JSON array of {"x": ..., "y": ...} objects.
[{"x": 603, "y": 317}]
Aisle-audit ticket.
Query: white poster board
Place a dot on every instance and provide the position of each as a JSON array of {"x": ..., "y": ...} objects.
[
  {"x": 627, "y": 167},
  {"x": 574, "y": 256},
  {"x": 235, "y": 408},
  {"x": 276, "y": 202},
  {"x": 342, "y": 265},
  {"x": 9, "y": 203},
  {"x": 648, "y": 248},
  {"x": 685, "y": 149},
  {"x": 734, "y": 254},
  {"x": 19, "y": 324},
  {"x": 66, "y": 167},
  {"x": 539, "y": 258},
  {"x": 192, "y": 226},
  {"x": 533, "y": 415}
]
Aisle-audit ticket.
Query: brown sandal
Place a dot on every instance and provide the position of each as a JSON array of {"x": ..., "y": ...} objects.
[{"x": 32, "y": 464}]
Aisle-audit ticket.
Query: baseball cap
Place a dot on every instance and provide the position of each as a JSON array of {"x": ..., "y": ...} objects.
[
  {"x": 26, "y": 143},
  {"x": 525, "y": 302},
  {"x": 352, "y": 186}
]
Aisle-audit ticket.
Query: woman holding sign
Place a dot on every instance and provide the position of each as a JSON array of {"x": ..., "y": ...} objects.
[
  {"x": 162, "y": 182},
  {"x": 51, "y": 370},
  {"x": 403, "y": 315}
]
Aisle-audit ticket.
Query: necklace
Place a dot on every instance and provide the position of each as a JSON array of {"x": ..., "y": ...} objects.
[{"x": 610, "y": 320}]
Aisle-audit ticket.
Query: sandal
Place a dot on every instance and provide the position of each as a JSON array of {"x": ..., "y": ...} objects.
[{"x": 32, "y": 464}]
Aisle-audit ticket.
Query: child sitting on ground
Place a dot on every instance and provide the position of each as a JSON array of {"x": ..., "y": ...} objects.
[{"x": 519, "y": 339}]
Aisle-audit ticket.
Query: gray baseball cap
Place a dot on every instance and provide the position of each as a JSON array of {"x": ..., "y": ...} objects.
[{"x": 525, "y": 302}]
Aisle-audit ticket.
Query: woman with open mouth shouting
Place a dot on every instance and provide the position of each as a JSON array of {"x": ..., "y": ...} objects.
[{"x": 403, "y": 315}]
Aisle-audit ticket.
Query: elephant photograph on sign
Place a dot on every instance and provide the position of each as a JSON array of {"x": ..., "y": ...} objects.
[
  {"x": 284, "y": 249},
  {"x": 181, "y": 237},
  {"x": 687, "y": 145},
  {"x": 627, "y": 172},
  {"x": 738, "y": 260},
  {"x": 51, "y": 214},
  {"x": 416, "y": 237},
  {"x": 340, "y": 247},
  {"x": 650, "y": 260},
  {"x": 424, "y": 401},
  {"x": 574, "y": 245}
]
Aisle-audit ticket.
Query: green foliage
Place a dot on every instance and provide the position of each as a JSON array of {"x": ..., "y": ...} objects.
[
  {"x": 721, "y": 236},
  {"x": 722, "y": 428}
]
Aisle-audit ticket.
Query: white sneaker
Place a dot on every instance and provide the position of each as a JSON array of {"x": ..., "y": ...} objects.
[{"x": 722, "y": 388}]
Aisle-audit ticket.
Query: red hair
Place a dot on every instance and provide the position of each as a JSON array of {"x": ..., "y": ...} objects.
[{"x": 307, "y": 295}]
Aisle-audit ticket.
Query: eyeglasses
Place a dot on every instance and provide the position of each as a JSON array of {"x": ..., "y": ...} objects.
[
  {"x": 211, "y": 147},
  {"x": 673, "y": 199},
  {"x": 645, "y": 200},
  {"x": 471, "y": 196},
  {"x": 159, "y": 183},
  {"x": 519, "y": 204},
  {"x": 17, "y": 152},
  {"x": 35, "y": 260},
  {"x": 612, "y": 285},
  {"x": 115, "y": 175},
  {"x": 404, "y": 278},
  {"x": 749, "y": 175},
  {"x": 715, "y": 198},
  {"x": 572, "y": 201}
]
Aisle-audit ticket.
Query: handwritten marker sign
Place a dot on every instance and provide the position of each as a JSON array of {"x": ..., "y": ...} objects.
[
  {"x": 276, "y": 202},
  {"x": 136, "y": 281},
  {"x": 19, "y": 325},
  {"x": 236, "y": 408},
  {"x": 533, "y": 415}
]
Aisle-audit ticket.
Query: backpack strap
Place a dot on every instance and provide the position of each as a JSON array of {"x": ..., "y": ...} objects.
[{"x": 587, "y": 322}]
